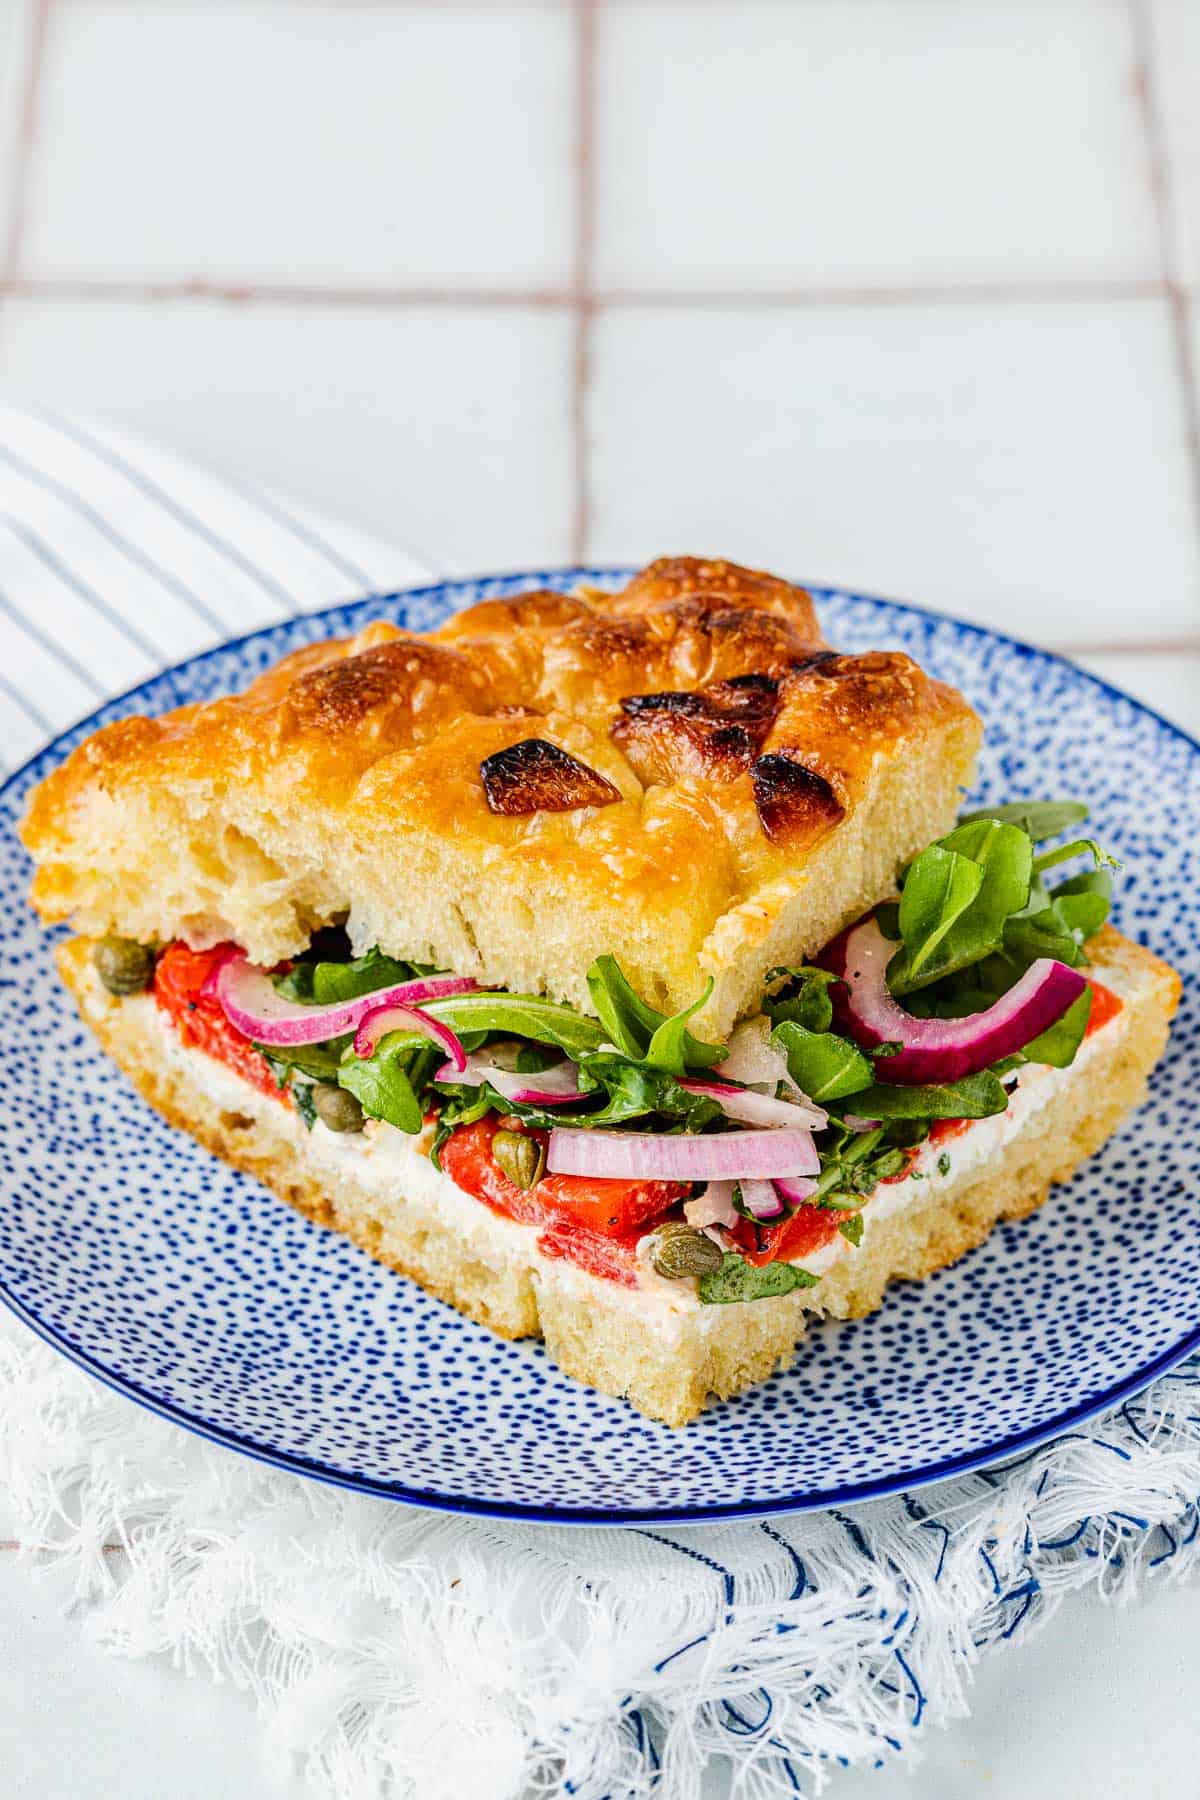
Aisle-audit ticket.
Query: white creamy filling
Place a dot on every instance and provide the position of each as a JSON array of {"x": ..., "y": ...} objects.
[{"x": 391, "y": 1163}]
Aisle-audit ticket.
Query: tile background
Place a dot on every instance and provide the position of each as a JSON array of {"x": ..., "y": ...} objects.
[{"x": 900, "y": 293}]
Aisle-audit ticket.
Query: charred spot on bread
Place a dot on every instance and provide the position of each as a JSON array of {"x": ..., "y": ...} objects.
[
  {"x": 794, "y": 803},
  {"x": 716, "y": 732},
  {"x": 391, "y": 678},
  {"x": 537, "y": 776}
]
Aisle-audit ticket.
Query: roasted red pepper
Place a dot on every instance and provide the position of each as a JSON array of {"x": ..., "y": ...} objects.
[
  {"x": 595, "y": 1224},
  {"x": 179, "y": 978}
]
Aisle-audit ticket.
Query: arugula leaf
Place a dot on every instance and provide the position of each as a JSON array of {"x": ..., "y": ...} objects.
[
  {"x": 333, "y": 981},
  {"x": 321, "y": 1061},
  {"x": 520, "y": 1015},
  {"x": 635, "y": 1027},
  {"x": 627, "y": 1020},
  {"x": 673, "y": 1047},
  {"x": 823, "y": 1065},
  {"x": 381, "y": 1085},
  {"x": 851, "y": 1227},
  {"x": 933, "y": 948},
  {"x": 974, "y": 1097},
  {"x": 1040, "y": 819},
  {"x": 737, "y": 1280},
  {"x": 1026, "y": 938},
  {"x": 939, "y": 888},
  {"x": 319, "y": 982},
  {"x": 1079, "y": 847},
  {"x": 297, "y": 984},
  {"x": 1082, "y": 914},
  {"x": 804, "y": 1001},
  {"x": 1059, "y": 1042},
  {"x": 1083, "y": 902},
  {"x": 302, "y": 1094}
]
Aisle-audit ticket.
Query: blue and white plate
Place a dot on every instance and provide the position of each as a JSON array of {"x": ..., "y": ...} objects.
[{"x": 197, "y": 1293}]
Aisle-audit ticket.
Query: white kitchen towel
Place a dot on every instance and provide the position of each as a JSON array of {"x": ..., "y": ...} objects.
[{"x": 395, "y": 1653}]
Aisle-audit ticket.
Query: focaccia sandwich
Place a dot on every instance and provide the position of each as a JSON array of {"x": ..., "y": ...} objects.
[{"x": 613, "y": 965}]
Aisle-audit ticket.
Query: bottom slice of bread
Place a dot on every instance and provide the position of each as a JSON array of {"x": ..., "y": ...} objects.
[{"x": 656, "y": 1345}]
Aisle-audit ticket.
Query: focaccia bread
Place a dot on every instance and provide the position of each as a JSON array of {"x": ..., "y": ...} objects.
[{"x": 682, "y": 775}]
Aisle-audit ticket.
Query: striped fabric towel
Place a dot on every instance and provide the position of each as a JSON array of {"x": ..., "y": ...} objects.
[
  {"x": 116, "y": 560},
  {"x": 392, "y": 1653}
]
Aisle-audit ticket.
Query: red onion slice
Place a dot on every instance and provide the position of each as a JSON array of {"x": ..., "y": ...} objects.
[
  {"x": 940, "y": 1050},
  {"x": 758, "y": 1109},
  {"x": 795, "y": 1190},
  {"x": 391, "y": 1017},
  {"x": 663, "y": 1156},
  {"x": 555, "y": 1086},
  {"x": 255, "y": 1006},
  {"x": 762, "y": 1200}
]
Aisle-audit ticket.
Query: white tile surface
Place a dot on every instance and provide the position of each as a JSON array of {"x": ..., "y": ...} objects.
[
  {"x": 1101, "y": 1704},
  {"x": 328, "y": 145},
  {"x": 767, "y": 144},
  {"x": 1023, "y": 465},
  {"x": 442, "y": 428},
  {"x": 78, "y": 1724},
  {"x": 16, "y": 22},
  {"x": 1175, "y": 38}
]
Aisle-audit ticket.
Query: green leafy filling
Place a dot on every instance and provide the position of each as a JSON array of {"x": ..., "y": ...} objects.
[{"x": 974, "y": 912}]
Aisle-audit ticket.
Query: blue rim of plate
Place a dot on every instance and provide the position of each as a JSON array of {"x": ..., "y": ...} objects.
[{"x": 1006, "y": 1449}]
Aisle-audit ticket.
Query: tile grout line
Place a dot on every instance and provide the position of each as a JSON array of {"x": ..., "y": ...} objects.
[
  {"x": 26, "y": 134},
  {"x": 583, "y": 299},
  {"x": 1187, "y": 645},
  {"x": 581, "y": 292},
  {"x": 1161, "y": 188}
]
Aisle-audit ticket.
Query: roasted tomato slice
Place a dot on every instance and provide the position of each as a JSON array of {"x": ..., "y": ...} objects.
[
  {"x": 563, "y": 1203},
  {"x": 179, "y": 978},
  {"x": 1105, "y": 1006},
  {"x": 612, "y": 1258},
  {"x": 809, "y": 1228}
]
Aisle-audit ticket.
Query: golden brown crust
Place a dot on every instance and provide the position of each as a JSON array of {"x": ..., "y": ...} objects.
[
  {"x": 593, "y": 1335},
  {"x": 769, "y": 796}
]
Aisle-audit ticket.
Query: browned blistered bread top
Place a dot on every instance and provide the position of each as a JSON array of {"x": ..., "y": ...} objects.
[{"x": 682, "y": 773}]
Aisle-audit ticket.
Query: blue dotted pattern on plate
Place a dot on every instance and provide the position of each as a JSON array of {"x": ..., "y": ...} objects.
[{"x": 196, "y": 1291}]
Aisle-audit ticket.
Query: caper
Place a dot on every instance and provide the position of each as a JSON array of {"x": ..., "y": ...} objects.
[
  {"x": 123, "y": 965},
  {"x": 522, "y": 1158},
  {"x": 336, "y": 1107},
  {"x": 678, "y": 1250}
]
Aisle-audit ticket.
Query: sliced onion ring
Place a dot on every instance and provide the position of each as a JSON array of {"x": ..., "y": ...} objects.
[
  {"x": 556, "y": 1086},
  {"x": 254, "y": 1005},
  {"x": 763, "y": 1201},
  {"x": 663, "y": 1156},
  {"x": 758, "y": 1109},
  {"x": 939, "y": 1050},
  {"x": 796, "y": 1190},
  {"x": 390, "y": 1017}
]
